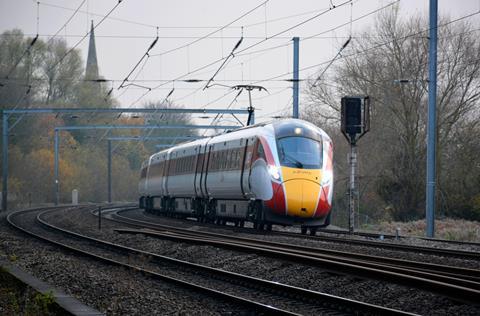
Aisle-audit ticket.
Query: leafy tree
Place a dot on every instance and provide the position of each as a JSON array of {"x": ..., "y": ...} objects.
[
  {"x": 19, "y": 69},
  {"x": 62, "y": 72},
  {"x": 166, "y": 119}
]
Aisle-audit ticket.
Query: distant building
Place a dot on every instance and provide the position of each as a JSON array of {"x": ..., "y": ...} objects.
[{"x": 91, "y": 70}]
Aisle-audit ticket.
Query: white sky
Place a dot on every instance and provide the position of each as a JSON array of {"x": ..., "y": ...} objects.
[{"x": 120, "y": 45}]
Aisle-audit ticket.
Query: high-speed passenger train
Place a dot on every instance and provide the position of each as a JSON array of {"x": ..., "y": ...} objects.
[{"x": 272, "y": 173}]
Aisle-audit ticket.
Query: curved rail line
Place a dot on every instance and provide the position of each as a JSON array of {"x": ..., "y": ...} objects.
[
  {"x": 321, "y": 301},
  {"x": 458, "y": 283}
]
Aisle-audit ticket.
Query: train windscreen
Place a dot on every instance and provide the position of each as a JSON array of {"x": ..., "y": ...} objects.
[{"x": 300, "y": 152}]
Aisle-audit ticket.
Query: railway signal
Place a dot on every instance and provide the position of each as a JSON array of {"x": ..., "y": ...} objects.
[{"x": 355, "y": 122}]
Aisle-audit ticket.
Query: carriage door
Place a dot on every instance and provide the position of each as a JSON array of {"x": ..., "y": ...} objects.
[
  {"x": 198, "y": 170},
  {"x": 246, "y": 164},
  {"x": 204, "y": 175}
]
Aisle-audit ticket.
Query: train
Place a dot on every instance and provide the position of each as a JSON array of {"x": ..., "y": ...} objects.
[{"x": 273, "y": 173}]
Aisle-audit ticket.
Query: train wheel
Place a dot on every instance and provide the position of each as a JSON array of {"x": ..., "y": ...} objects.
[
  {"x": 269, "y": 227},
  {"x": 313, "y": 231},
  {"x": 242, "y": 224},
  {"x": 303, "y": 230}
]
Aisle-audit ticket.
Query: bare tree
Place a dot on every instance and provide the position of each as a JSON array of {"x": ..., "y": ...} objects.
[{"x": 394, "y": 152}]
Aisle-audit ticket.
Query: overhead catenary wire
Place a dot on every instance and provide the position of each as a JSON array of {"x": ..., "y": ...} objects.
[
  {"x": 129, "y": 21},
  {"x": 373, "y": 47},
  {"x": 149, "y": 131},
  {"x": 85, "y": 36},
  {"x": 135, "y": 79},
  {"x": 228, "y": 107},
  {"x": 231, "y": 55},
  {"x": 66, "y": 23},
  {"x": 176, "y": 37},
  {"x": 146, "y": 55},
  {"x": 319, "y": 77},
  {"x": 276, "y": 78},
  {"x": 211, "y": 33},
  {"x": 253, "y": 45}
]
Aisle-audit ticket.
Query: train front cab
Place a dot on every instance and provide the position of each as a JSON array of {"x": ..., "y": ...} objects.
[{"x": 302, "y": 181}]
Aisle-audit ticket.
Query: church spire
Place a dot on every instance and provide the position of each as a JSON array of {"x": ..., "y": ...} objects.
[{"x": 91, "y": 71}]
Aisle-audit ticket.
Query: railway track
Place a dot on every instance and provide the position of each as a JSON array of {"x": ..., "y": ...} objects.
[
  {"x": 261, "y": 296},
  {"x": 393, "y": 246},
  {"x": 458, "y": 283},
  {"x": 454, "y": 253},
  {"x": 379, "y": 235}
]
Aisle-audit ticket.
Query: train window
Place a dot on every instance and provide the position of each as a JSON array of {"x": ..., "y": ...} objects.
[
  {"x": 213, "y": 159},
  {"x": 224, "y": 159},
  {"x": 240, "y": 157},
  {"x": 228, "y": 159},
  {"x": 300, "y": 152},
  {"x": 260, "y": 151},
  {"x": 227, "y": 162}
]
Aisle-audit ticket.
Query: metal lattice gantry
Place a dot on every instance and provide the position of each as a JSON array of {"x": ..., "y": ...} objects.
[{"x": 9, "y": 113}]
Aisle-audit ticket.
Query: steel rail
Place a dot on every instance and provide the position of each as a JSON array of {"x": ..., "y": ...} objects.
[
  {"x": 394, "y": 246},
  {"x": 307, "y": 295},
  {"x": 211, "y": 292},
  {"x": 378, "y": 235},
  {"x": 377, "y": 244},
  {"x": 459, "y": 289},
  {"x": 456, "y": 272},
  {"x": 468, "y": 274}
]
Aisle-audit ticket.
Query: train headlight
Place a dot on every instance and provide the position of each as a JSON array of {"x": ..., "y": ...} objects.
[{"x": 274, "y": 172}]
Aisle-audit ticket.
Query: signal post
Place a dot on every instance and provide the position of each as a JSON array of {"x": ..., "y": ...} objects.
[{"x": 355, "y": 122}]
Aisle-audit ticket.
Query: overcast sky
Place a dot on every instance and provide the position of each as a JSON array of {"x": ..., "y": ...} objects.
[{"x": 124, "y": 37}]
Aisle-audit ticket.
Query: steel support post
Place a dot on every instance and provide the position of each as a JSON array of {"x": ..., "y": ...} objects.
[
  {"x": 432, "y": 121},
  {"x": 296, "y": 41},
  {"x": 5, "y": 162},
  {"x": 252, "y": 118},
  {"x": 352, "y": 192},
  {"x": 251, "y": 110},
  {"x": 57, "y": 181},
  {"x": 109, "y": 170}
]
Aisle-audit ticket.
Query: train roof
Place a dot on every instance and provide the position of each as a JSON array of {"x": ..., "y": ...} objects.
[{"x": 281, "y": 128}]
